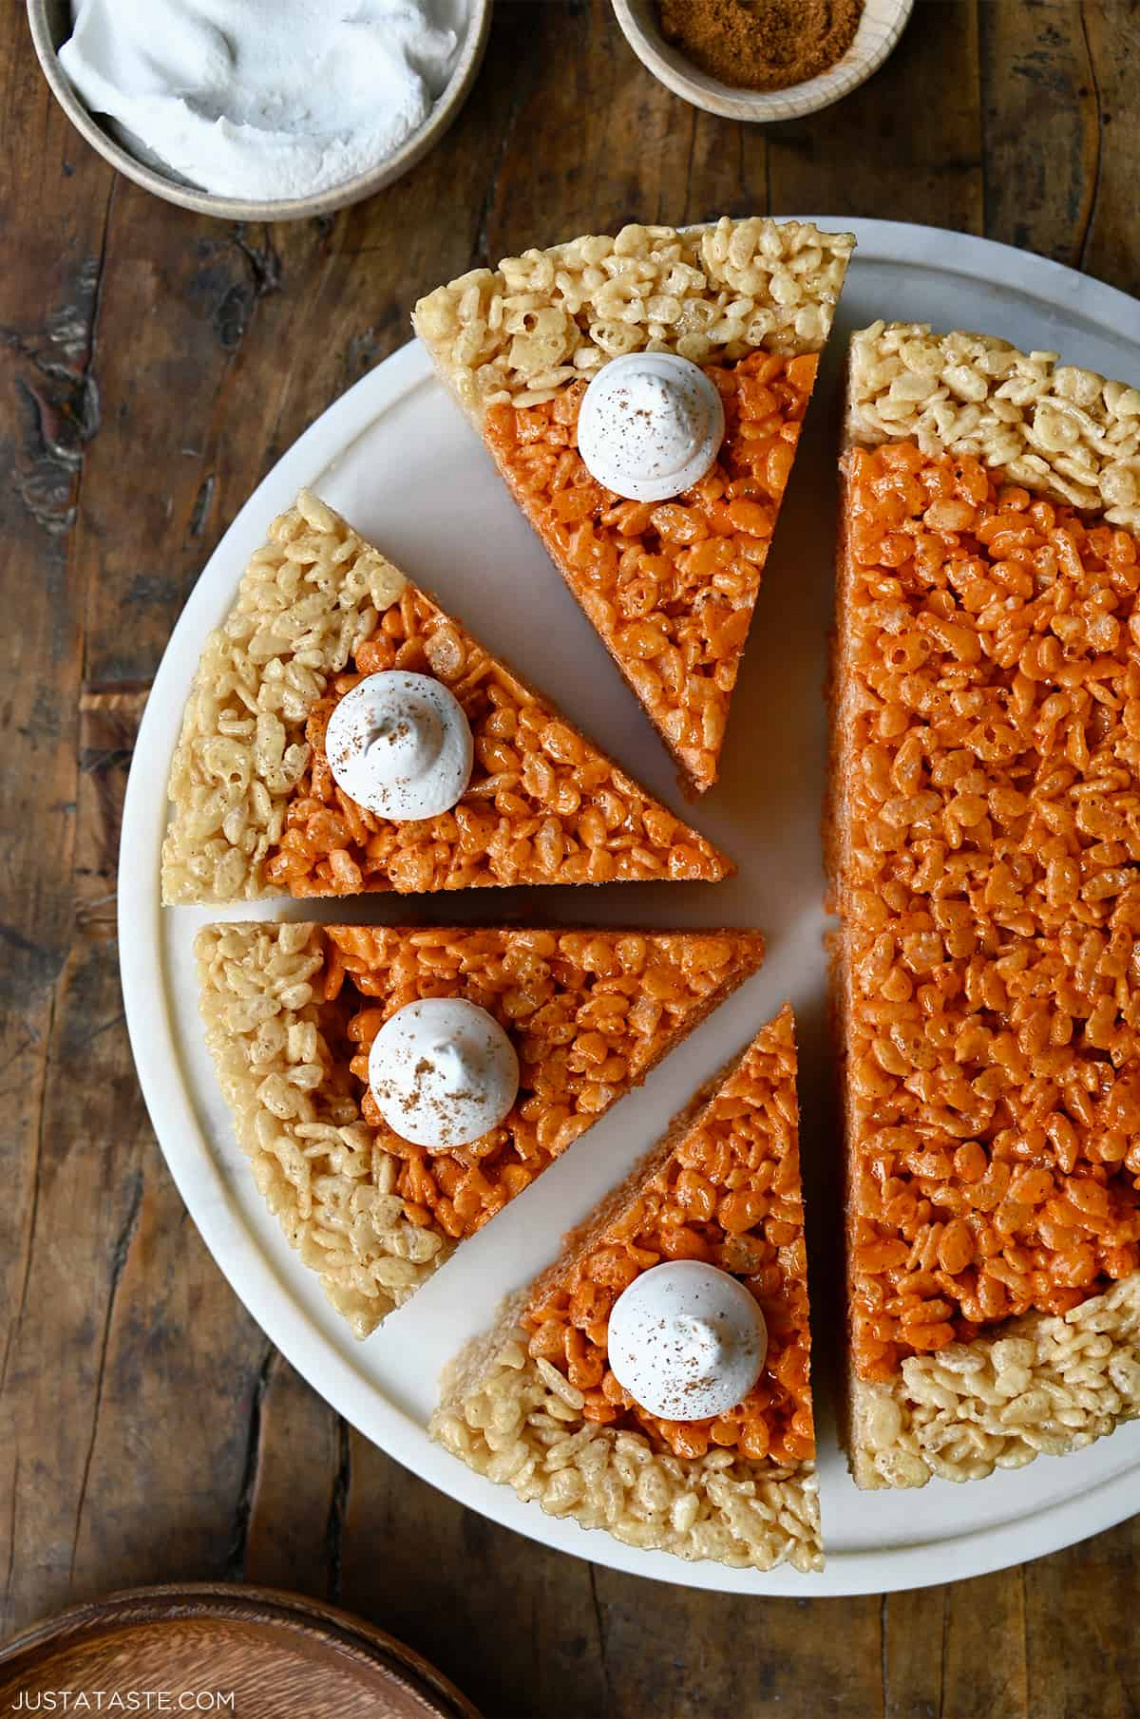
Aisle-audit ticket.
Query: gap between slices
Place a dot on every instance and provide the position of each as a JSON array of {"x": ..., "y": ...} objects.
[
  {"x": 670, "y": 585},
  {"x": 985, "y": 852},
  {"x": 257, "y": 810},
  {"x": 536, "y": 1404},
  {"x": 291, "y": 1011}
]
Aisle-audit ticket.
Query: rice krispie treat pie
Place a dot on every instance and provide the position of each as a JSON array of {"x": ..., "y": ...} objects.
[
  {"x": 986, "y": 858},
  {"x": 717, "y": 330},
  {"x": 470, "y": 777},
  {"x": 394, "y": 1089},
  {"x": 655, "y": 1381}
]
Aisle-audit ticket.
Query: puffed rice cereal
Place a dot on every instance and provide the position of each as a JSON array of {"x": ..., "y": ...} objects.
[
  {"x": 290, "y": 1011},
  {"x": 257, "y": 812},
  {"x": 713, "y": 293},
  {"x": 534, "y": 1404},
  {"x": 670, "y": 587},
  {"x": 986, "y": 851}
]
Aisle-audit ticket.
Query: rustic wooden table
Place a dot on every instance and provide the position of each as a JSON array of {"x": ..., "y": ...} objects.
[{"x": 155, "y": 365}]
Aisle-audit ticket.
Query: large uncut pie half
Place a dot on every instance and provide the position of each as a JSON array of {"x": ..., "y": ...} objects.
[
  {"x": 627, "y": 1386},
  {"x": 987, "y": 862},
  {"x": 264, "y": 802},
  {"x": 642, "y": 396},
  {"x": 359, "y": 1062}
]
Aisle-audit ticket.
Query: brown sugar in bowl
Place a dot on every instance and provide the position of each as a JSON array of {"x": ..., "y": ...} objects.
[{"x": 880, "y": 27}]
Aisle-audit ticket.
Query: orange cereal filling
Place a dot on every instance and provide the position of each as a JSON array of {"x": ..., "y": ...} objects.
[
  {"x": 670, "y": 586},
  {"x": 989, "y": 891},
  {"x": 543, "y": 804},
  {"x": 726, "y": 1192},
  {"x": 589, "y": 1014}
]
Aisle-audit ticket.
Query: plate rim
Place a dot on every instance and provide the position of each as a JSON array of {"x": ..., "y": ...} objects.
[{"x": 252, "y": 1276}]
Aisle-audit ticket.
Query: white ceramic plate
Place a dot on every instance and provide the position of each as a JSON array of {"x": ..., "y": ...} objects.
[{"x": 397, "y": 457}]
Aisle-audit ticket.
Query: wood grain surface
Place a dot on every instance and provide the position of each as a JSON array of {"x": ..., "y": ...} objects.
[{"x": 153, "y": 366}]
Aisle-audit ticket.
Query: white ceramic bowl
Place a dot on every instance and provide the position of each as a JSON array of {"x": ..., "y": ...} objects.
[
  {"x": 50, "y": 22},
  {"x": 879, "y": 29}
]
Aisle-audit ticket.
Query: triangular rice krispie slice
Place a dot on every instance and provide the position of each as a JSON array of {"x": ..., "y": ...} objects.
[
  {"x": 257, "y": 810},
  {"x": 291, "y": 1011},
  {"x": 670, "y": 586},
  {"x": 536, "y": 1403}
]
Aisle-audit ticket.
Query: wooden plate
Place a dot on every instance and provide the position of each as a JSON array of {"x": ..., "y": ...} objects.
[{"x": 212, "y": 1648}]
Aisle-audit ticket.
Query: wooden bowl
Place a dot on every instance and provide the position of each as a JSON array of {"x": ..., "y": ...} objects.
[
  {"x": 269, "y": 1654},
  {"x": 880, "y": 27},
  {"x": 50, "y": 22}
]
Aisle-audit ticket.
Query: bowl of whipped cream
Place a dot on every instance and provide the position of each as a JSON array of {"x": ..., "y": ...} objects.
[{"x": 261, "y": 110}]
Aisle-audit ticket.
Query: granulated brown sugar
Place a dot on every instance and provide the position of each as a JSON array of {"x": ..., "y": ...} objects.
[{"x": 761, "y": 44}]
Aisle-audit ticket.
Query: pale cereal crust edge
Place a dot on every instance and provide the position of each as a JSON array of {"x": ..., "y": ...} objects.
[
  {"x": 308, "y": 598},
  {"x": 311, "y": 1153},
  {"x": 1041, "y": 1385},
  {"x": 498, "y": 1415},
  {"x": 242, "y": 747},
  {"x": 711, "y": 292},
  {"x": 1058, "y": 430},
  {"x": 1065, "y": 1381}
]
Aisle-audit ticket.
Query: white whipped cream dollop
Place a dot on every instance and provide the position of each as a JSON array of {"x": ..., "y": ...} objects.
[
  {"x": 263, "y": 99},
  {"x": 686, "y": 1340},
  {"x": 443, "y": 1072},
  {"x": 650, "y": 425},
  {"x": 400, "y": 745}
]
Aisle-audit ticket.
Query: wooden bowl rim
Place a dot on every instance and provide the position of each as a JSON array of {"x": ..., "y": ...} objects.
[
  {"x": 669, "y": 66},
  {"x": 46, "y": 38},
  {"x": 237, "y": 1602}
]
